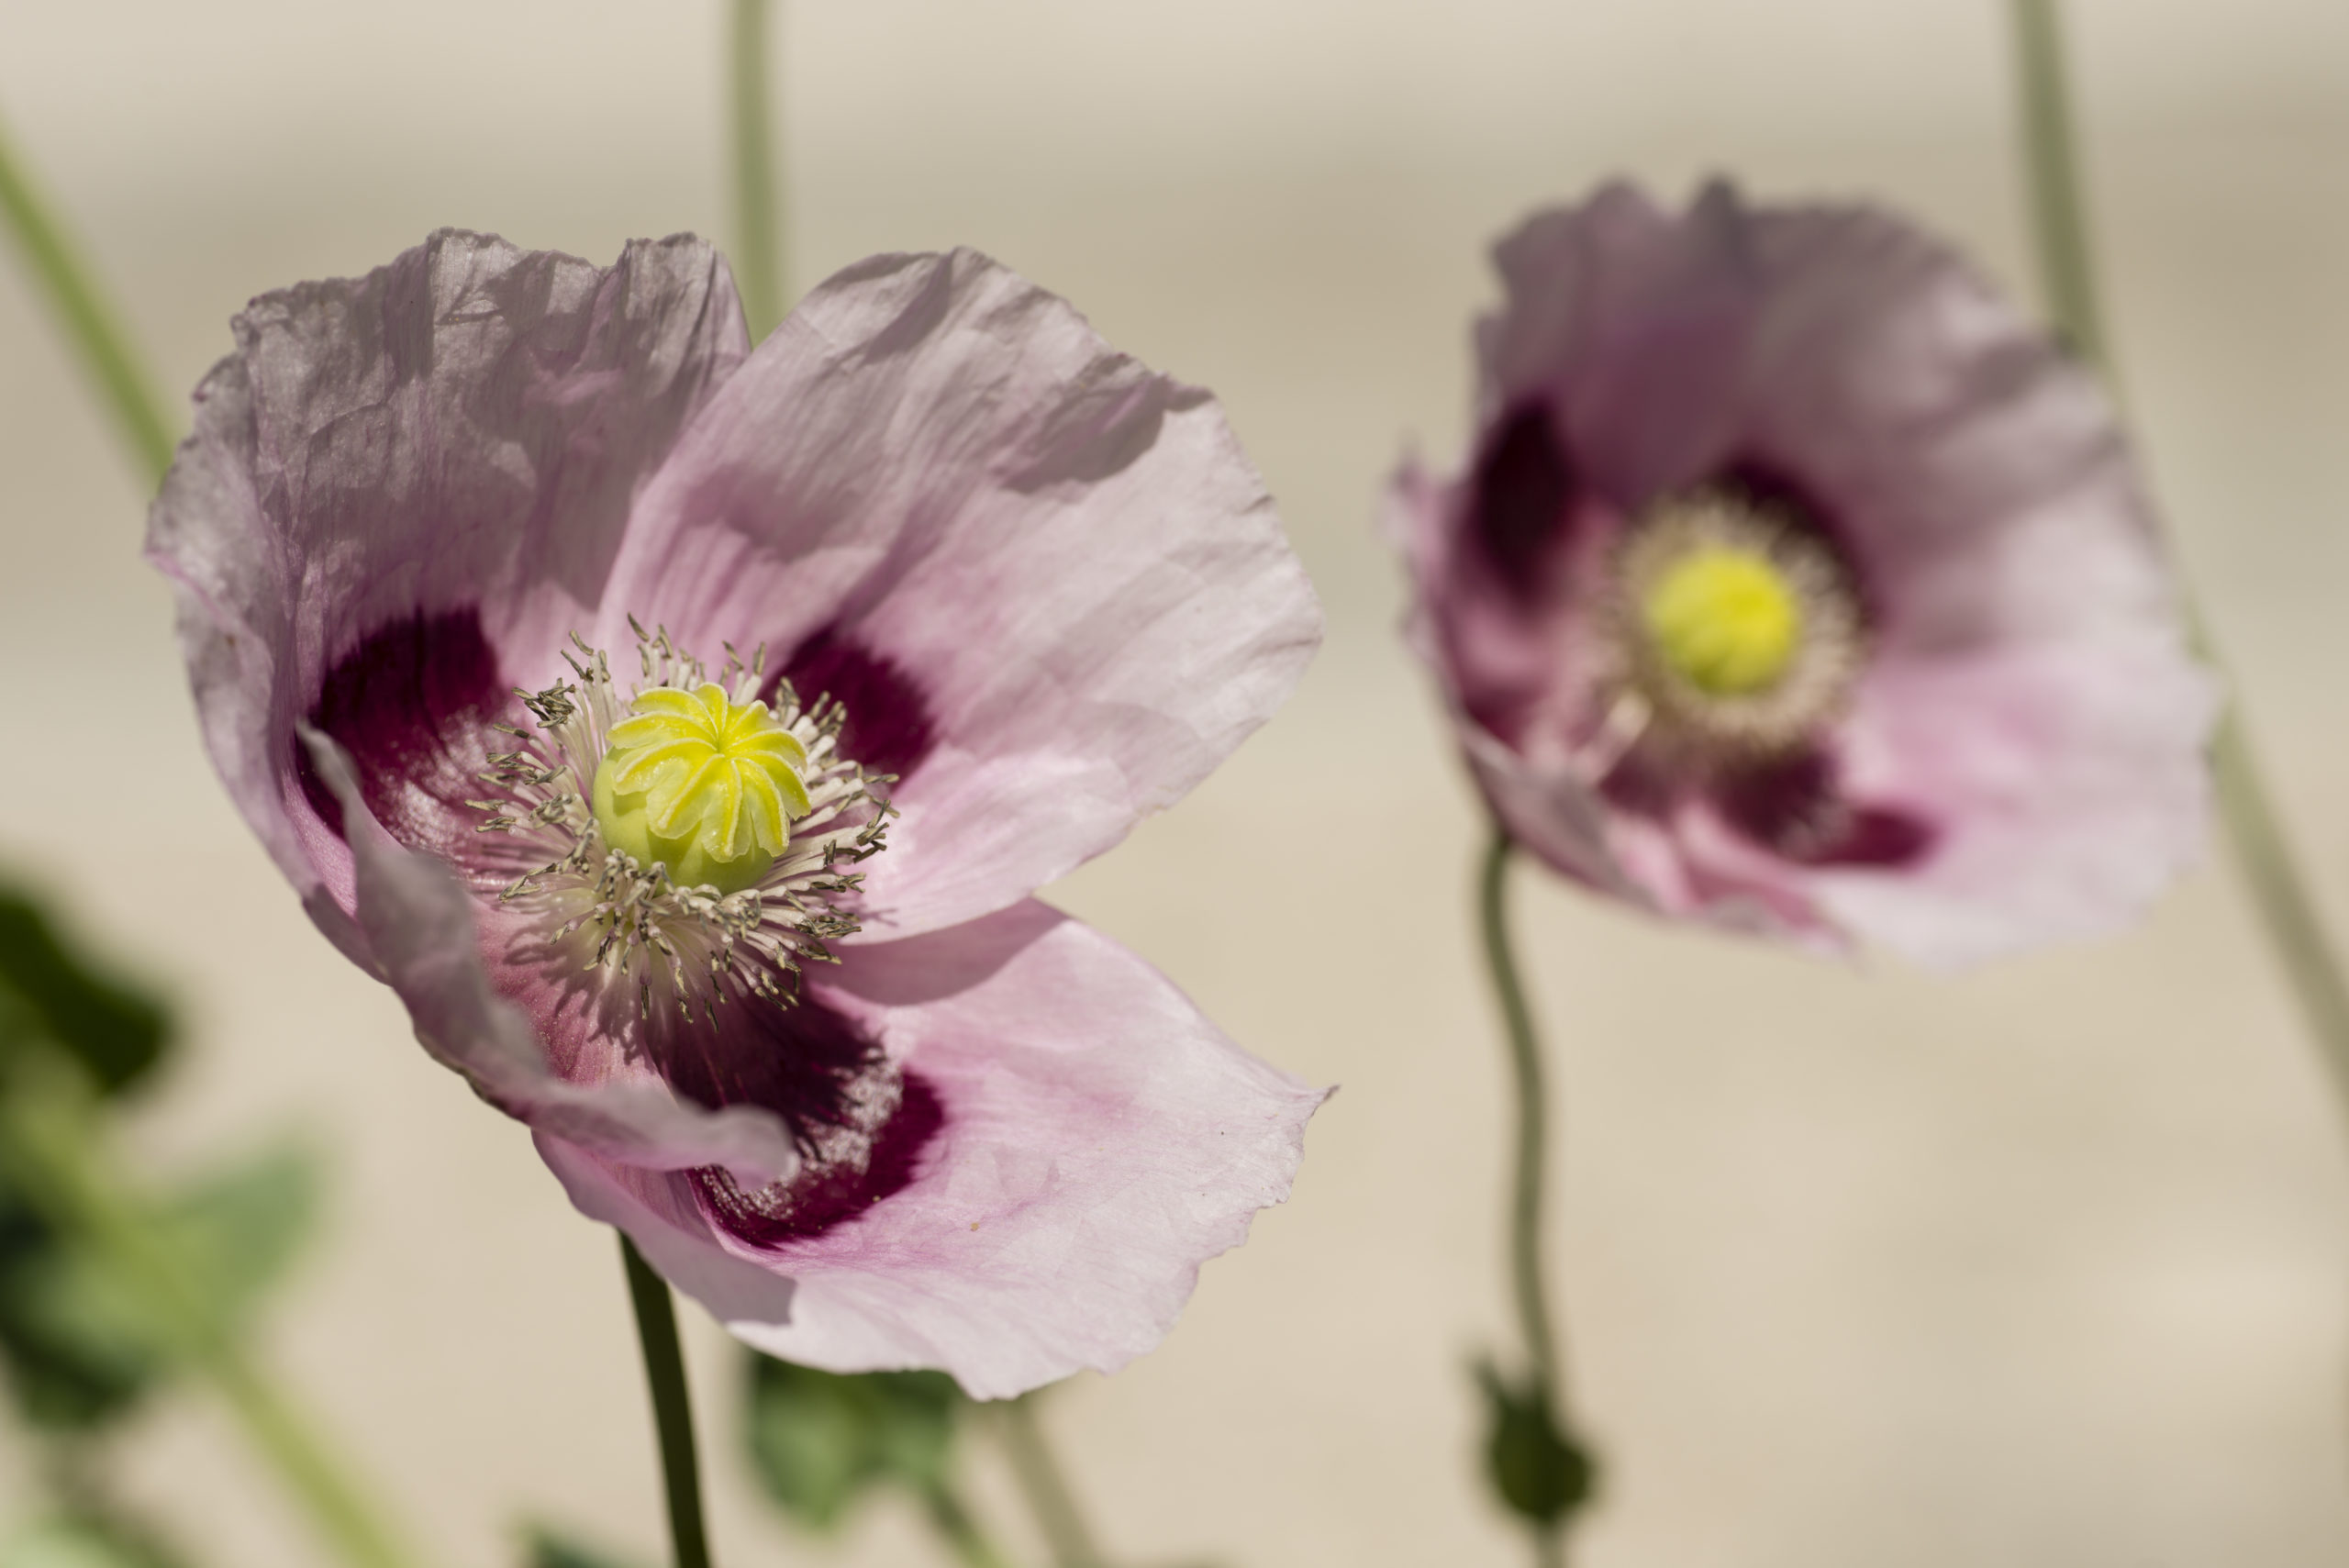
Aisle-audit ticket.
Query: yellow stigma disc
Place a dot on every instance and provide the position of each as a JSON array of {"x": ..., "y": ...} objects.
[
  {"x": 704, "y": 784},
  {"x": 1725, "y": 620}
]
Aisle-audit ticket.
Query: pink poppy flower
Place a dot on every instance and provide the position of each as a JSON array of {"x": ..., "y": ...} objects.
[
  {"x": 1799, "y": 585},
  {"x": 681, "y": 729}
]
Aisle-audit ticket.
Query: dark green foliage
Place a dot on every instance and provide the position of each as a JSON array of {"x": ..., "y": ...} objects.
[
  {"x": 818, "y": 1439},
  {"x": 77, "y": 1350},
  {"x": 64, "y": 1373},
  {"x": 1540, "y": 1473},
  {"x": 117, "y": 1034},
  {"x": 543, "y": 1547}
]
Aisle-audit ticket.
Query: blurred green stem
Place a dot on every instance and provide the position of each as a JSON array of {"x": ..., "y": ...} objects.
[
  {"x": 1527, "y": 1278},
  {"x": 61, "y": 270},
  {"x": 2058, "y": 209},
  {"x": 951, "y": 1517},
  {"x": 51, "y": 1143},
  {"x": 673, "y": 1416},
  {"x": 1044, "y": 1484},
  {"x": 758, "y": 239},
  {"x": 77, "y": 1479},
  {"x": 2262, "y": 852}
]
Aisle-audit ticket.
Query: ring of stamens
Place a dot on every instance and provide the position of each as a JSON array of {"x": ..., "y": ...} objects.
[
  {"x": 1734, "y": 632},
  {"x": 767, "y": 810}
]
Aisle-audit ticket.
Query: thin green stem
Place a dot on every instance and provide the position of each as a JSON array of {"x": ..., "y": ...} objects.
[
  {"x": 50, "y": 1141},
  {"x": 1044, "y": 1484},
  {"x": 672, "y": 1415},
  {"x": 2058, "y": 207},
  {"x": 959, "y": 1528},
  {"x": 1528, "y": 1278},
  {"x": 90, "y": 322},
  {"x": 1525, "y": 1273},
  {"x": 2262, "y": 851},
  {"x": 758, "y": 239}
]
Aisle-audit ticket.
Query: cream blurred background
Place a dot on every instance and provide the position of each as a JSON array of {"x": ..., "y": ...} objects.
[{"x": 2046, "y": 1265}]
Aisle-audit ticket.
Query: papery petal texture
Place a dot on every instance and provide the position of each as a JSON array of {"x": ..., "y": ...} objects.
[
  {"x": 2019, "y": 755},
  {"x": 1099, "y": 1137},
  {"x": 436, "y": 461},
  {"x": 1039, "y": 584},
  {"x": 937, "y": 481}
]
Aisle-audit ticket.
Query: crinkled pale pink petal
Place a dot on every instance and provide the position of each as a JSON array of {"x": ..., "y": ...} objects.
[
  {"x": 1099, "y": 1140},
  {"x": 1631, "y": 321},
  {"x": 1047, "y": 582},
  {"x": 2063, "y": 761},
  {"x": 1051, "y": 595},
  {"x": 1979, "y": 470},
  {"x": 460, "y": 433}
]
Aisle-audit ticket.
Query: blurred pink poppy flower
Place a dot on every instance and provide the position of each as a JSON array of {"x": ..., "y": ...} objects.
[
  {"x": 1799, "y": 585},
  {"x": 680, "y": 729}
]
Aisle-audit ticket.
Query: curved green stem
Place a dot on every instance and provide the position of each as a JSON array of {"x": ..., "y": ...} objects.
[
  {"x": 758, "y": 240},
  {"x": 672, "y": 1415},
  {"x": 53, "y": 1148},
  {"x": 1044, "y": 1484},
  {"x": 1527, "y": 1276},
  {"x": 2262, "y": 851},
  {"x": 89, "y": 323}
]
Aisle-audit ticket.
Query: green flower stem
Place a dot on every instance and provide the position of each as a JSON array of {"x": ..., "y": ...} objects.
[
  {"x": 959, "y": 1528},
  {"x": 51, "y": 1140},
  {"x": 2058, "y": 208},
  {"x": 58, "y": 265},
  {"x": 672, "y": 1415},
  {"x": 758, "y": 240},
  {"x": 2262, "y": 851},
  {"x": 1527, "y": 1278},
  {"x": 1044, "y": 1484}
]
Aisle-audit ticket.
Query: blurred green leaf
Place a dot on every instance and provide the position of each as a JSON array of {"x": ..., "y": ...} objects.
[
  {"x": 242, "y": 1227},
  {"x": 543, "y": 1547},
  {"x": 79, "y": 1350},
  {"x": 1540, "y": 1471},
  {"x": 75, "y": 1543},
  {"x": 67, "y": 1368},
  {"x": 116, "y": 1032},
  {"x": 818, "y": 1439}
]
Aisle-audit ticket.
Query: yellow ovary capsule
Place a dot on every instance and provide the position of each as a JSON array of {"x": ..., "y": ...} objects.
[
  {"x": 1725, "y": 620},
  {"x": 704, "y": 784}
]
